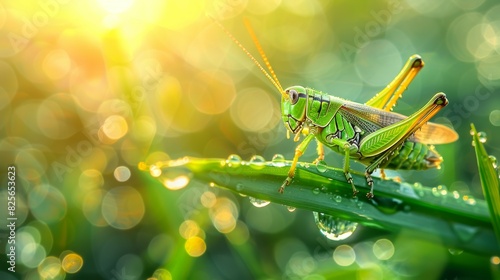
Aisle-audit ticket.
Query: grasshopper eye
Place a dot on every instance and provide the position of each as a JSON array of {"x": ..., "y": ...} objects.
[{"x": 294, "y": 96}]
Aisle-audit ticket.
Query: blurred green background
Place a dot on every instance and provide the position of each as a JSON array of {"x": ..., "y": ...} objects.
[{"x": 89, "y": 89}]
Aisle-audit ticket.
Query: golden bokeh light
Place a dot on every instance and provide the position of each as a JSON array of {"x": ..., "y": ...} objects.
[
  {"x": 176, "y": 111},
  {"x": 50, "y": 268},
  {"x": 90, "y": 179},
  {"x": 208, "y": 199},
  {"x": 56, "y": 64},
  {"x": 188, "y": 229},
  {"x": 212, "y": 92},
  {"x": 161, "y": 274},
  {"x": 195, "y": 246},
  {"x": 383, "y": 249},
  {"x": 123, "y": 207},
  {"x": 115, "y": 127},
  {"x": 344, "y": 255},
  {"x": 224, "y": 215},
  {"x": 254, "y": 110},
  {"x": 122, "y": 173},
  {"x": 72, "y": 263}
]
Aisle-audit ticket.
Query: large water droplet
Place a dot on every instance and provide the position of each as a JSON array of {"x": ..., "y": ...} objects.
[
  {"x": 291, "y": 208},
  {"x": 387, "y": 205},
  {"x": 334, "y": 228},
  {"x": 321, "y": 166},
  {"x": 316, "y": 191},
  {"x": 278, "y": 160},
  {"x": 258, "y": 202},
  {"x": 257, "y": 162},
  {"x": 482, "y": 137},
  {"x": 233, "y": 160}
]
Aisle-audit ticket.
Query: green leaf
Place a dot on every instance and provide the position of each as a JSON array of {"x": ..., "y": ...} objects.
[
  {"x": 489, "y": 178},
  {"x": 459, "y": 221}
]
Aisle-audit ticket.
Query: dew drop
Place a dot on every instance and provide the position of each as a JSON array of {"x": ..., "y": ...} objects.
[
  {"x": 456, "y": 194},
  {"x": 304, "y": 164},
  {"x": 439, "y": 190},
  {"x": 291, "y": 208},
  {"x": 337, "y": 198},
  {"x": 455, "y": 252},
  {"x": 278, "y": 160},
  {"x": 324, "y": 189},
  {"x": 493, "y": 161},
  {"x": 334, "y": 228},
  {"x": 316, "y": 191},
  {"x": 175, "y": 178},
  {"x": 258, "y": 202},
  {"x": 257, "y": 162},
  {"x": 154, "y": 170},
  {"x": 233, "y": 160},
  {"x": 464, "y": 232},
  {"x": 482, "y": 137},
  {"x": 468, "y": 199},
  {"x": 419, "y": 189},
  {"x": 321, "y": 166},
  {"x": 239, "y": 187}
]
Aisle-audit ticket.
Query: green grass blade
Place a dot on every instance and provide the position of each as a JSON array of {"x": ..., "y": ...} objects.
[
  {"x": 489, "y": 179},
  {"x": 459, "y": 221}
]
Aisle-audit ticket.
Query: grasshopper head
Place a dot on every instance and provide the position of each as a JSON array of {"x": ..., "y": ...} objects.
[{"x": 293, "y": 108}]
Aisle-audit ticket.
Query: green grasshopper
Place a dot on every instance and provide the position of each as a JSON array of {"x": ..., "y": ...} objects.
[{"x": 368, "y": 133}]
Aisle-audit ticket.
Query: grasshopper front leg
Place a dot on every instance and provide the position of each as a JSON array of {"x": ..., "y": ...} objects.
[
  {"x": 299, "y": 151},
  {"x": 348, "y": 150},
  {"x": 381, "y": 143}
]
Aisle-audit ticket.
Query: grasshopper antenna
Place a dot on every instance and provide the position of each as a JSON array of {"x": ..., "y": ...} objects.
[{"x": 272, "y": 77}]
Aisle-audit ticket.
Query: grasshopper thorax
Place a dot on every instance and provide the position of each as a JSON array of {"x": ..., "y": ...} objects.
[{"x": 293, "y": 108}]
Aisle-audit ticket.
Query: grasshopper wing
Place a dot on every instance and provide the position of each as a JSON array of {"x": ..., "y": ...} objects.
[{"x": 371, "y": 119}]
